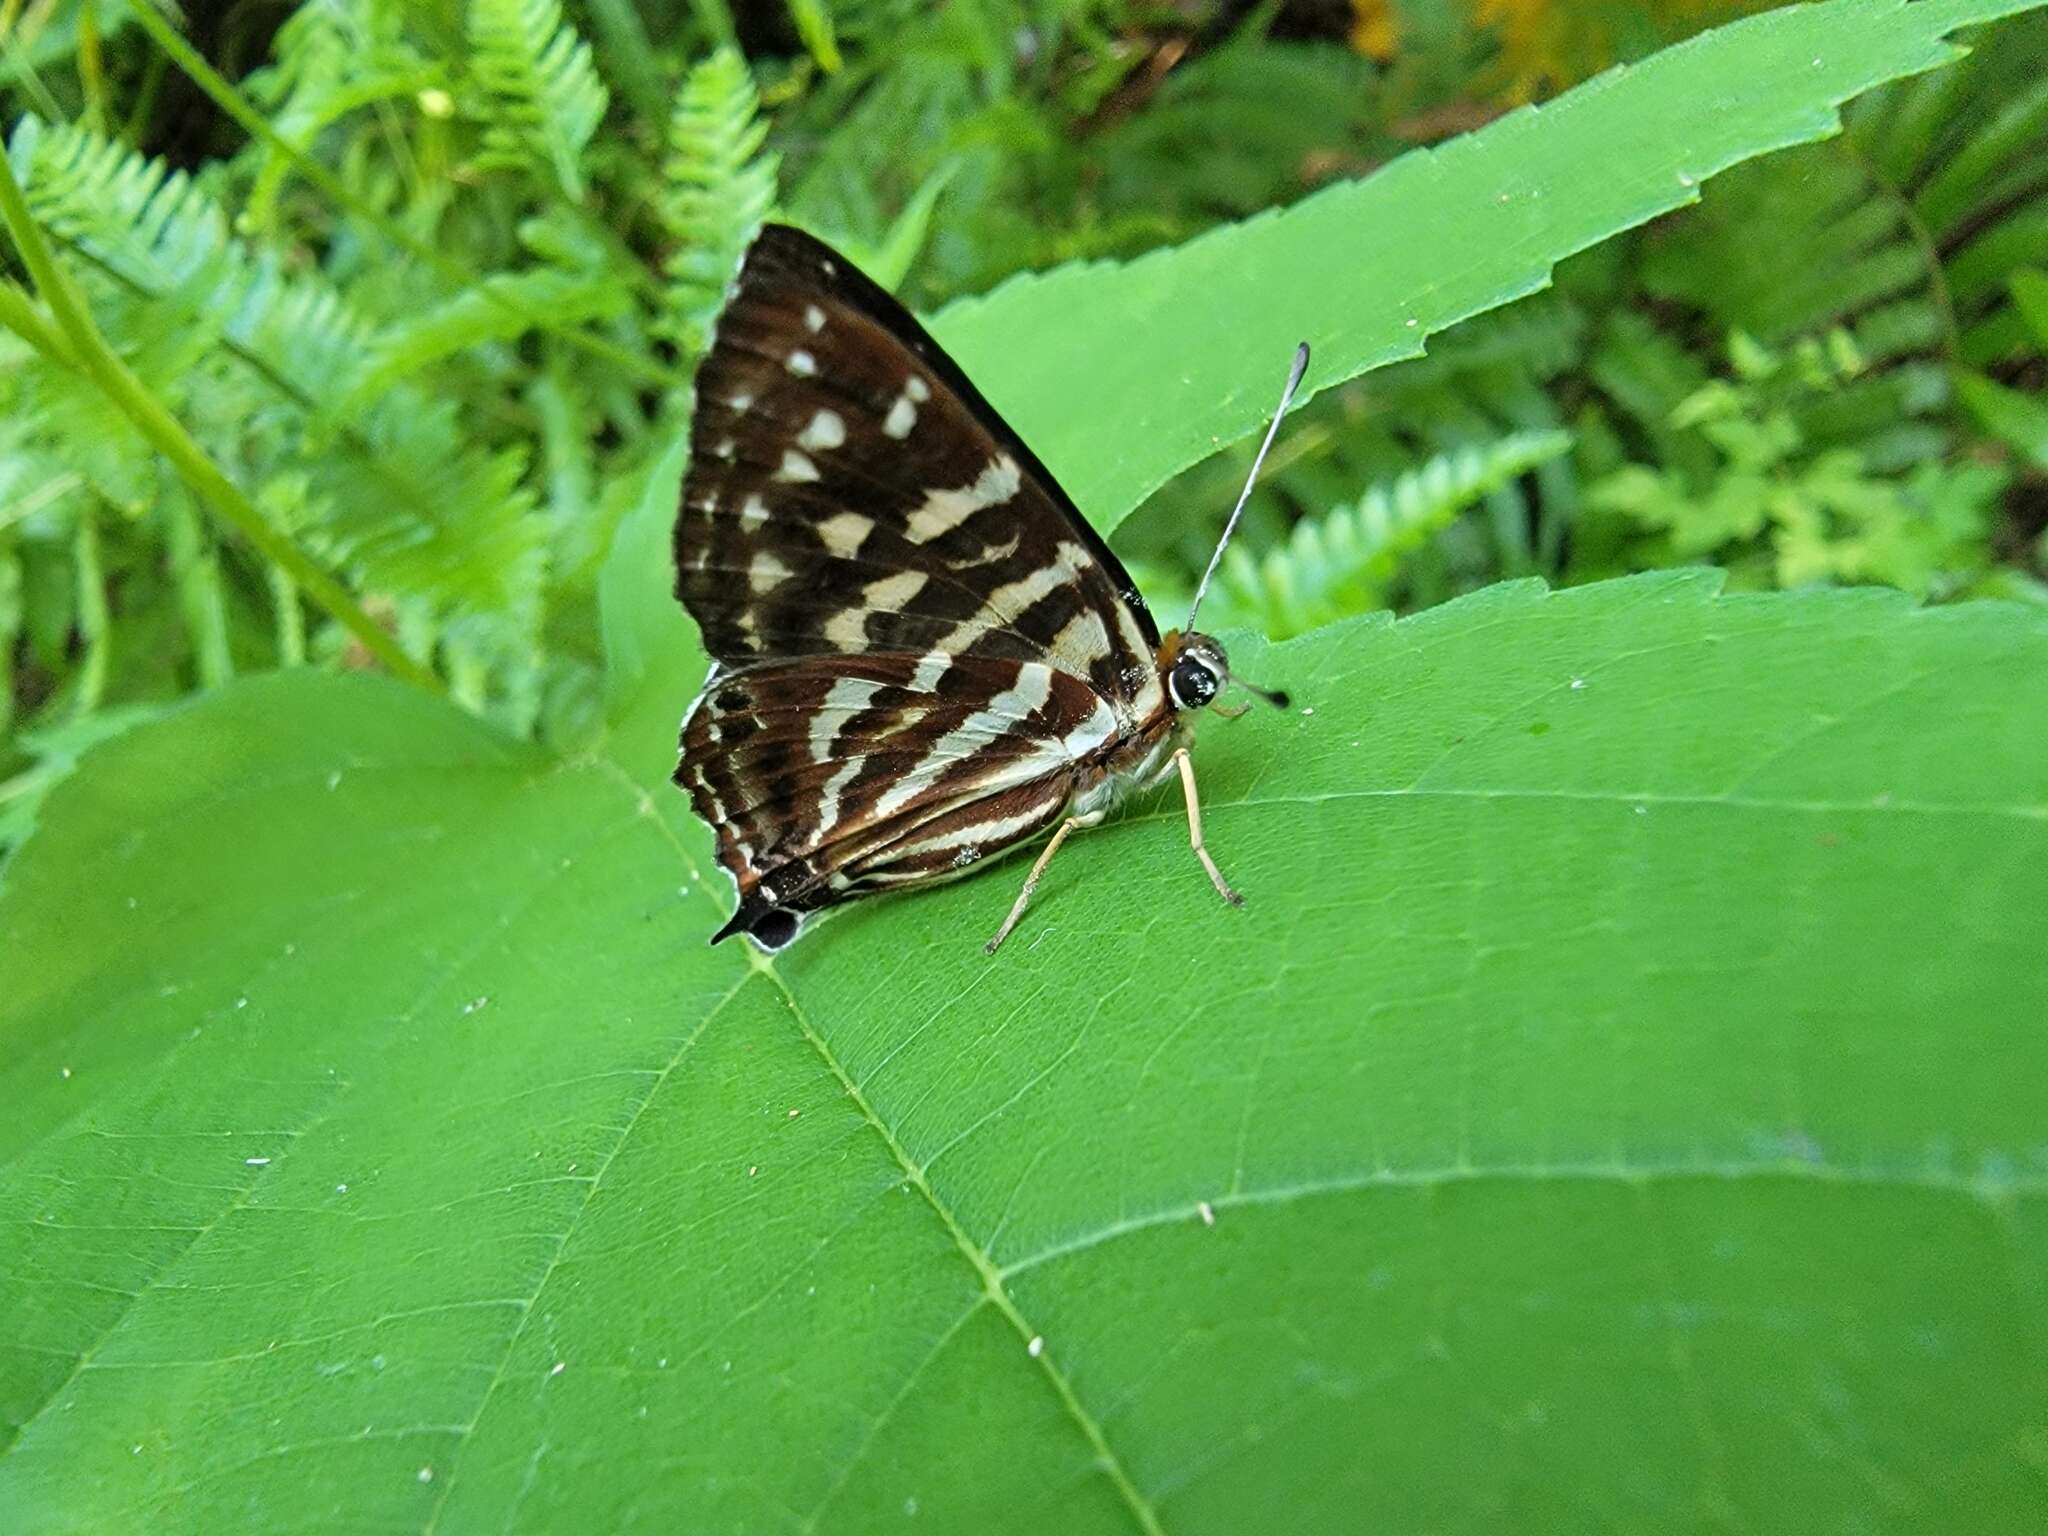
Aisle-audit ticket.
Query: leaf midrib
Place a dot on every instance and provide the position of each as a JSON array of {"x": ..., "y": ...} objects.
[
  {"x": 993, "y": 1289},
  {"x": 994, "y": 1277}
]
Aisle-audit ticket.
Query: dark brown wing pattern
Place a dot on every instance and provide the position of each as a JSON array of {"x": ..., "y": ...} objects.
[
  {"x": 918, "y": 638},
  {"x": 822, "y": 784},
  {"x": 851, "y": 492}
]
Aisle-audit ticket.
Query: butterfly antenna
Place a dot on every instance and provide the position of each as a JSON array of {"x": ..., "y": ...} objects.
[{"x": 1286, "y": 399}]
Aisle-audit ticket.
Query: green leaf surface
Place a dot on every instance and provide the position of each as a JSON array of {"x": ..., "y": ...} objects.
[
  {"x": 1619, "y": 1102},
  {"x": 2030, "y": 296},
  {"x": 1367, "y": 271},
  {"x": 2016, "y": 419}
]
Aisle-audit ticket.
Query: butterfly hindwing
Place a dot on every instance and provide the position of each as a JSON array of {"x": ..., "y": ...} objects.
[{"x": 824, "y": 780}]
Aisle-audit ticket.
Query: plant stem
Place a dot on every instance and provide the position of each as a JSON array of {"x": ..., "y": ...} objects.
[
  {"x": 93, "y": 623},
  {"x": 197, "y": 573},
  {"x": 291, "y": 624},
  {"x": 93, "y": 357},
  {"x": 20, "y": 315},
  {"x": 11, "y": 616}
]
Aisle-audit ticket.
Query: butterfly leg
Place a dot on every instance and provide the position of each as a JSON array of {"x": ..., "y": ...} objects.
[
  {"x": 1187, "y": 782},
  {"x": 1031, "y": 880}
]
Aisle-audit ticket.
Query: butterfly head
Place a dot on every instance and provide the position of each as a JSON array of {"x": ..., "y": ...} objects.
[
  {"x": 1196, "y": 672},
  {"x": 1197, "y": 669}
]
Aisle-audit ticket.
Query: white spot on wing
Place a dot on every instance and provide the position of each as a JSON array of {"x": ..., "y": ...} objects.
[
  {"x": 826, "y": 430},
  {"x": 843, "y": 533},
  {"x": 894, "y": 591},
  {"x": 802, "y": 364},
  {"x": 828, "y": 797},
  {"x": 753, "y": 513},
  {"x": 943, "y": 511},
  {"x": 901, "y": 418},
  {"x": 988, "y": 554},
  {"x": 917, "y": 389},
  {"x": 1003, "y": 605},
  {"x": 848, "y": 629},
  {"x": 848, "y": 697},
  {"x": 814, "y": 317},
  {"x": 766, "y": 572},
  {"x": 1081, "y": 642},
  {"x": 1098, "y": 730},
  {"x": 796, "y": 469}
]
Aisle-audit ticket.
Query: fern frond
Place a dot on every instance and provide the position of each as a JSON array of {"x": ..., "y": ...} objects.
[
  {"x": 1209, "y": 140},
  {"x": 2016, "y": 128},
  {"x": 147, "y": 223},
  {"x": 1344, "y": 561},
  {"x": 541, "y": 97},
  {"x": 331, "y": 60},
  {"x": 720, "y": 187},
  {"x": 158, "y": 234},
  {"x": 483, "y": 549},
  {"x": 394, "y": 489},
  {"x": 501, "y": 308}
]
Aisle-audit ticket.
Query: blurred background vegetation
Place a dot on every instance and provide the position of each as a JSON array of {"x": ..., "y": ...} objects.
[{"x": 427, "y": 278}]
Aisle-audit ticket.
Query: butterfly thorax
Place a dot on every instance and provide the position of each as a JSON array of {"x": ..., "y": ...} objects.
[{"x": 1192, "y": 671}]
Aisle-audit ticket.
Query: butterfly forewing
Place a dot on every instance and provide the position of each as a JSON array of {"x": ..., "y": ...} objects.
[
  {"x": 851, "y": 492},
  {"x": 917, "y": 638}
]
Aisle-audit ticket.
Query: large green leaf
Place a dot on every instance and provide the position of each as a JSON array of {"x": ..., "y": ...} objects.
[
  {"x": 1620, "y": 1102},
  {"x": 1366, "y": 271}
]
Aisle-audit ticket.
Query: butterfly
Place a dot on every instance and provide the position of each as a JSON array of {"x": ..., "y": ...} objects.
[{"x": 922, "y": 654}]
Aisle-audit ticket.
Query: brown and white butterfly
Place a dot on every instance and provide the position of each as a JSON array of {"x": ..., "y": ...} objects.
[{"x": 922, "y": 654}]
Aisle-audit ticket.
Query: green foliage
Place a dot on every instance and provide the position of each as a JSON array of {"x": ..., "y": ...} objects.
[
  {"x": 438, "y": 325},
  {"x": 720, "y": 189},
  {"x": 284, "y": 376},
  {"x": 1624, "y": 971},
  {"x": 1776, "y": 509},
  {"x": 1346, "y": 560},
  {"x": 537, "y": 92},
  {"x": 332, "y": 61},
  {"x": 1469, "y": 1110},
  {"x": 2019, "y": 420},
  {"x": 1869, "y": 233}
]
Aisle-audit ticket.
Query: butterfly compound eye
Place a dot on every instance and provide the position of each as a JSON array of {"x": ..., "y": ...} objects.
[{"x": 1191, "y": 683}]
